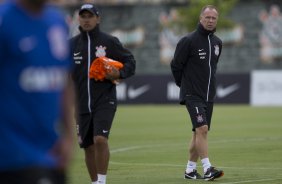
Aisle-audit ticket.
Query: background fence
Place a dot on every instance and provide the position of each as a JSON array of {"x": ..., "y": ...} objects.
[{"x": 249, "y": 68}]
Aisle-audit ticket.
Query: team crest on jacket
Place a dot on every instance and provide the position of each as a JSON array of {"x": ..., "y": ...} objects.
[
  {"x": 216, "y": 50},
  {"x": 100, "y": 51}
]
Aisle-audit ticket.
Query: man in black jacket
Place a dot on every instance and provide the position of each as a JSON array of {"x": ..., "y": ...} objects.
[
  {"x": 194, "y": 68},
  {"x": 96, "y": 100}
]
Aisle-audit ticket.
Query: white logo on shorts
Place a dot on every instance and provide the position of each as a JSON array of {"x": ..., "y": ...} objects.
[
  {"x": 105, "y": 131},
  {"x": 200, "y": 118}
]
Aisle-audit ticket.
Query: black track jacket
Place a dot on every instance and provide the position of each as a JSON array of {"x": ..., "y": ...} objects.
[
  {"x": 86, "y": 47},
  {"x": 194, "y": 64}
]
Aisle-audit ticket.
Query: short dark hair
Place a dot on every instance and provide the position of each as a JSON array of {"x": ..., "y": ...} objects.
[{"x": 209, "y": 7}]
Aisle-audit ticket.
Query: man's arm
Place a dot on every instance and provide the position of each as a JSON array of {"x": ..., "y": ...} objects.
[
  {"x": 63, "y": 149},
  {"x": 125, "y": 56},
  {"x": 179, "y": 60}
]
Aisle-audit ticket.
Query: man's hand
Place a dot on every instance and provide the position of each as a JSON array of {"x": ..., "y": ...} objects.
[
  {"x": 112, "y": 73},
  {"x": 105, "y": 68},
  {"x": 63, "y": 151}
]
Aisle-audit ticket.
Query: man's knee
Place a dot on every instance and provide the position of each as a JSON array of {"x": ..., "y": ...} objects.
[
  {"x": 203, "y": 130},
  {"x": 100, "y": 140}
]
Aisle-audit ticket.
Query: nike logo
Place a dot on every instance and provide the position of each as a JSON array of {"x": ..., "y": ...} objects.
[
  {"x": 134, "y": 93},
  {"x": 192, "y": 177},
  {"x": 200, "y": 50},
  {"x": 223, "y": 92},
  {"x": 105, "y": 131},
  {"x": 76, "y": 54},
  {"x": 209, "y": 175}
]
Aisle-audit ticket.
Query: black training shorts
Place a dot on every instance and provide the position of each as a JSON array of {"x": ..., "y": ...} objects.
[
  {"x": 33, "y": 175},
  {"x": 200, "y": 111},
  {"x": 98, "y": 122}
]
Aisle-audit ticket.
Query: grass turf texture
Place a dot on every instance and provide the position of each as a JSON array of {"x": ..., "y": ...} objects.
[{"x": 149, "y": 145}]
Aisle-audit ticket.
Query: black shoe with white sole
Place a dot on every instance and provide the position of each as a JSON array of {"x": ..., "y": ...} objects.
[
  {"x": 192, "y": 175},
  {"x": 212, "y": 173}
]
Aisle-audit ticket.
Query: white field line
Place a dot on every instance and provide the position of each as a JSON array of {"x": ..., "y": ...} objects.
[
  {"x": 178, "y": 165},
  {"x": 237, "y": 168},
  {"x": 211, "y": 142},
  {"x": 130, "y": 148},
  {"x": 252, "y": 181},
  {"x": 139, "y": 147},
  {"x": 255, "y": 139}
]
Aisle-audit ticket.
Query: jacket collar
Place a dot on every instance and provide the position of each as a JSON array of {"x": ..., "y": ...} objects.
[
  {"x": 92, "y": 33},
  {"x": 203, "y": 31}
]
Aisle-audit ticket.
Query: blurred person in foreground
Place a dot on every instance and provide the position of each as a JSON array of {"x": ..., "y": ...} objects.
[
  {"x": 194, "y": 68},
  {"x": 36, "y": 132},
  {"x": 96, "y": 100}
]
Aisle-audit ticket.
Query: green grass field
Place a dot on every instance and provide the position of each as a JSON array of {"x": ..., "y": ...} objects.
[{"x": 149, "y": 145}]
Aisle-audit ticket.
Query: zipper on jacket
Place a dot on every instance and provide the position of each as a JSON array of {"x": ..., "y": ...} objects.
[
  {"x": 208, "y": 91},
  {"x": 88, "y": 79}
]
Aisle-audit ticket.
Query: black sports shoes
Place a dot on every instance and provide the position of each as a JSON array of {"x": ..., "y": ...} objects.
[
  {"x": 212, "y": 173},
  {"x": 192, "y": 175}
]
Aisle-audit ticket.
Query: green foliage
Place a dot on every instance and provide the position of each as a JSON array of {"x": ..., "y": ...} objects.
[{"x": 189, "y": 16}]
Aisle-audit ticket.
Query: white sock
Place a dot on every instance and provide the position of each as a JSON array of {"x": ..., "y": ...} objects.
[
  {"x": 94, "y": 182},
  {"x": 101, "y": 179},
  {"x": 206, "y": 164},
  {"x": 190, "y": 166}
]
